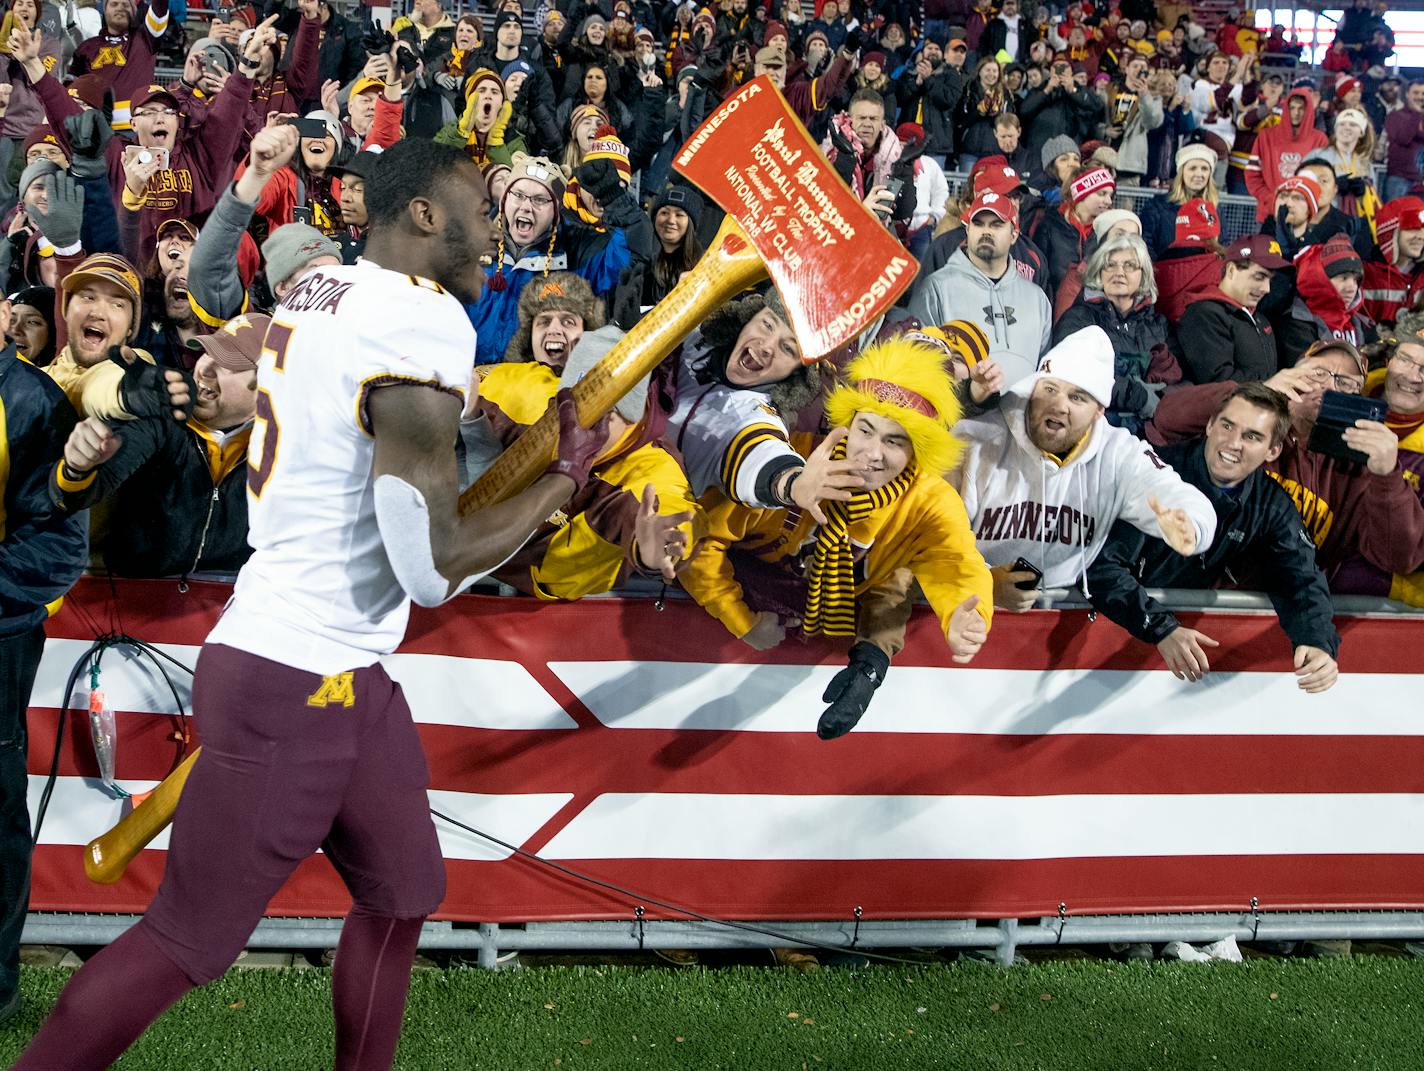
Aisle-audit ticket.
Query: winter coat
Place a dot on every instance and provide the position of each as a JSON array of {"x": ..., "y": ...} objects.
[
  {"x": 1259, "y": 540},
  {"x": 1064, "y": 245},
  {"x": 1047, "y": 114},
  {"x": 974, "y": 121},
  {"x": 1022, "y": 503},
  {"x": 1184, "y": 275},
  {"x": 996, "y": 34},
  {"x": 42, "y": 550},
  {"x": 862, "y": 171},
  {"x": 1319, "y": 312},
  {"x": 1014, "y": 313},
  {"x": 1389, "y": 291},
  {"x": 1143, "y": 364},
  {"x": 1219, "y": 339},
  {"x": 932, "y": 105},
  {"x": 1279, "y": 150},
  {"x": 179, "y": 498},
  {"x": 1146, "y": 116},
  {"x": 1347, "y": 509}
]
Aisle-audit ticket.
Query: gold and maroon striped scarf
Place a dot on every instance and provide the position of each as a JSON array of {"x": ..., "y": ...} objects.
[{"x": 830, "y": 577}]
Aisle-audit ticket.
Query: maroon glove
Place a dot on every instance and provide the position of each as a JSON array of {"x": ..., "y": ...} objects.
[
  {"x": 578, "y": 446},
  {"x": 1163, "y": 367}
]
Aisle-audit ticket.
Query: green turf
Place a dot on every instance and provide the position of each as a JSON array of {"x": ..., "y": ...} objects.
[{"x": 1365, "y": 1012}]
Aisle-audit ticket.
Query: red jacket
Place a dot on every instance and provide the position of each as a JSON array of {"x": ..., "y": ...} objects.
[
  {"x": 1181, "y": 280},
  {"x": 1279, "y": 150},
  {"x": 1389, "y": 291}
]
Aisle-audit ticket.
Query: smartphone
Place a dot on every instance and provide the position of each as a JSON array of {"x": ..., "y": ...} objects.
[
  {"x": 145, "y": 154},
  {"x": 894, "y": 186},
  {"x": 309, "y": 128},
  {"x": 1023, "y": 565},
  {"x": 1339, "y": 411}
]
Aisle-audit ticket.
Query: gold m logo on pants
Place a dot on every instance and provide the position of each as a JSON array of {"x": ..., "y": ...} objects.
[{"x": 340, "y": 688}]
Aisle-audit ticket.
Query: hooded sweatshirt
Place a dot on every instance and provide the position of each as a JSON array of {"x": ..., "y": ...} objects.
[
  {"x": 1389, "y": 289},
  {"x": 1319, "y": 312},
  {"x": 1057, "y": 514},
  {"x": 1279, "y": 150},
  {"x": 1014, "y": 313}
]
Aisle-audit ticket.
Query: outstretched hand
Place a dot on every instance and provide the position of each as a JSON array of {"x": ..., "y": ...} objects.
[
  {"x": 825, "y": 478},
  {"x": 662, "y": 544},
  {"x": 1178, "y": 529}
]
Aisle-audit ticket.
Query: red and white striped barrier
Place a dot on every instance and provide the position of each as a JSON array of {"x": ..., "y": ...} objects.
[{"x": 650, "y": 749}]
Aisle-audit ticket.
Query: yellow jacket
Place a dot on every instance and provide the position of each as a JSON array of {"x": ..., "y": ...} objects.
[
  {"x": 588, "y": 546},
  {"x": 93, "y": 391},
  {"x": 925, "y": 530}
]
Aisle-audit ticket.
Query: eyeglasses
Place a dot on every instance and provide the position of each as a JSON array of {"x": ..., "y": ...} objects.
[
  {"x": 1417, "y": 367},
  {"x": 1345, "y": 383},
  {"x": 520, "y": 197},
  {"x": 154, "y": 113}
]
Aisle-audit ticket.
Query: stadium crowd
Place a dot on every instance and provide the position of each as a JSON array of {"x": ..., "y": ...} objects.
[{"x": 1073, "y": 393}]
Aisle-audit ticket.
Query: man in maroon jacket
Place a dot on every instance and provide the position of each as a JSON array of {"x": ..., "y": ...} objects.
[
  {"x": 1349, "y": 509},
  {"x": 199, "y": 163}
]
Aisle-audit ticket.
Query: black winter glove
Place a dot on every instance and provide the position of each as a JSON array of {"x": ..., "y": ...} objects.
[
  {"x": 89, "y": 135},
  {"x": 600, "y": 178},
  {"x": 852, "y": 42},
  {"x": 578, "y": 446},
  {"x": 850, "y": 690},
  {"x": 145, "y": 391}
]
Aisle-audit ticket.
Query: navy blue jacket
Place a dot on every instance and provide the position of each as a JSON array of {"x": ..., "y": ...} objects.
[
  {"x": 1260, "y": 544},
  {"x": 42, "y": 549}
]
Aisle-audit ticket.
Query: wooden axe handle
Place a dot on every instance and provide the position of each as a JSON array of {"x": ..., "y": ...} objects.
[
  {"x": 106, "y": 856},
  {"x": 728, "y": 267}
]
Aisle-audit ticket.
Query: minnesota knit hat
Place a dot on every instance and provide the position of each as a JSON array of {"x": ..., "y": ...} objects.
[
  {"x": 608, "y": 146},
  {"x": 591, "y": 348},
  {"x": 42, "y": 134},
  {"x": 584, "y": 111},
  {"x": 1055, "y": 147},
  {"x": 1084, "y": 359}
]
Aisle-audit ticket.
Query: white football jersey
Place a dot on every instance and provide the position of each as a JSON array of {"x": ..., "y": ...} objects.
[{"x": 318, "y": 592}]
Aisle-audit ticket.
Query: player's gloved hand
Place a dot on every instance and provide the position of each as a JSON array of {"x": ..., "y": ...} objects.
[
  {"x": 851, "y": 689},
  {"x": 149, "y": 391},
  {"x": 578, "y": 446}
]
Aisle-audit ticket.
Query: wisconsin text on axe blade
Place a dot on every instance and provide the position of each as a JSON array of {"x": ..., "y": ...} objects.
[
  {"x": 721, "y": 116},
  {"x": 859, "y": 310}
]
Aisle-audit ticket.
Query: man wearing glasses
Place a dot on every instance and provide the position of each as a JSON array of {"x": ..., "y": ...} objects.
[
  {"x": 170, "y": 170},
  {"x": 1401, "y": 384},
  {"x": 1370, "y": 511}
]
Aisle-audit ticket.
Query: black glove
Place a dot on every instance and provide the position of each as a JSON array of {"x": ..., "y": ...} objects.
[
  {"x": 578, "y": 446},
  {"x": 850, "y": 690},
  {"x": 377, "y": 40},
  {"x": 852, "y": 42},
  {"x": 89, "y": 134},
  {"x": 600, "y": 178},
  {"x": 143, "y": 391}
]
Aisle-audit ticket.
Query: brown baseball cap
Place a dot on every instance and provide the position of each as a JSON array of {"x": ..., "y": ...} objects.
[{"x": 237, "y": 344}]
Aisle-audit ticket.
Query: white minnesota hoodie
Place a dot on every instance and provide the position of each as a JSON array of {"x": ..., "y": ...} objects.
[{"x": 1023, "y": 503}]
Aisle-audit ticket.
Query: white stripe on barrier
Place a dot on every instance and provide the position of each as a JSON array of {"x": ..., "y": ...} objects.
[
  {"x": 687, "y": 695},
  {"x": 441, "y": 689},
  {"x": 777, "y": 827},
  {"x": 80, "y": 809}
]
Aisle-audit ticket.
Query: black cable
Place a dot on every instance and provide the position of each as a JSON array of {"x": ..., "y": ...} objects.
[
  {"x": 640, "y": 898},
  {"x": 95, "y": 651}
]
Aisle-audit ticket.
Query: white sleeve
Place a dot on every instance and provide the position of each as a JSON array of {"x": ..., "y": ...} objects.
[
  {"x": 426, "y": 339},
  {"x": 1143, "y": 474}
]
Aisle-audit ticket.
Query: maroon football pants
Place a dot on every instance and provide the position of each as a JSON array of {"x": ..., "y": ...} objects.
[{"x": 291, "y": 762}]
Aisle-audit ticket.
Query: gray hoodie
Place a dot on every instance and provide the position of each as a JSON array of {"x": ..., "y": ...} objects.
[{"x": 1013, "y": 312}]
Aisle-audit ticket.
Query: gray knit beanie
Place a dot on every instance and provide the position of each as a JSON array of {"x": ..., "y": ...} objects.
[{"x": 1055, "y": 147}]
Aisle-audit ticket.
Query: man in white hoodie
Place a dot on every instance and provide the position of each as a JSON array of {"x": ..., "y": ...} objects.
[
  {"x": 1045, "y": 475},
  {"x": 980, "y": 283}
]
